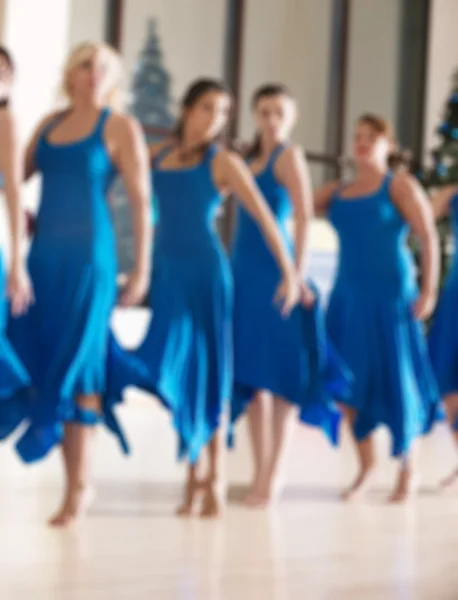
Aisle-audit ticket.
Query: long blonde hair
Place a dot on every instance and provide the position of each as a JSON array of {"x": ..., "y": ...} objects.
[{"x": 85, "y": 51}]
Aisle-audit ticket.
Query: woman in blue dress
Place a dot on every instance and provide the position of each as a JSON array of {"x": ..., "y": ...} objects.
[
  {"x": 277, "y": 369},
  {"x": 188, "y": 347},
  {"x": 375, "y": 310},
  {"x": 64, "y": 339},
  {"x": 16, "y": 287},
  {"x": 443, "y": 336}
]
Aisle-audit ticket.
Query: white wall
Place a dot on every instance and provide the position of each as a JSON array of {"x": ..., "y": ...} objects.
[
  {"x": 37, "y": 35},
  {"x": 87, "y": 21},
  {"x": 442, "y": 63},
  {"x": 39, "y": 50},
  {"x": 191, "y": 32},
  {"x": 373, "y": 60},
  {"x": 289, "y": 42}
]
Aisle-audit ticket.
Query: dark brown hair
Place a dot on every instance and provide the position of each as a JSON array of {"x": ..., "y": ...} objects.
[
  {"x": 192, "y": 95},
  {"x": 7, "y": 56},
  {"x": 268, "y": 90},
  {"x": 399, "y": 157}
]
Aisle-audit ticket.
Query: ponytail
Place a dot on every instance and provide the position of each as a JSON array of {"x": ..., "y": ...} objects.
[
  {"x": 254, "y": 149},
  {"x": 400, "y": 159}
]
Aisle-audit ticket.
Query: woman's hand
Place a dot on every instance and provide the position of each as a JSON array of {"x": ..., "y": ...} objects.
[
  {"x": 20, "y": 291},
  {"x": 288, "y": 294},
  {"x": 425, "y": 304},
  {"x": 135, "y": 289},
  {"x": 307, "y": 295}
]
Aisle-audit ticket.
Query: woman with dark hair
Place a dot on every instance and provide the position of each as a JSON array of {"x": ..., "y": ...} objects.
[
  {"x": 280, "y": 365},
  {"x": 375, "y": 311},
  {"x": 188, "y": 348},
  {"x": 14, "y": 381}
]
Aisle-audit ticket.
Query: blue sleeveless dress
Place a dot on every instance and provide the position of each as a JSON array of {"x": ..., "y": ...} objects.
[
  {"x": 370, "y": 319},
  {"x": 188, "y": 348},
  {"x": 443, "y": 336},
  {"x": 288, "y": 357},
  {"x": 64, "y": 339}
]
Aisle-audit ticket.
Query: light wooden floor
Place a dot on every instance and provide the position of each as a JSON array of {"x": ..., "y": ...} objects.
[{"x": 309, "y": 547}]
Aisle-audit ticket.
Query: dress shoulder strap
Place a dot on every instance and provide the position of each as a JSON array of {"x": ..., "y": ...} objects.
[
  {"x": 163, "y": 152},
  {"x": 53, "y": 123},
  {"x": 386, "y": 183},
  {"x": 103, "y": 118},
  {"x": 385, "y": 188},
  {"x": 274, "y": 156},
  {"x": 211, "y": 152}
]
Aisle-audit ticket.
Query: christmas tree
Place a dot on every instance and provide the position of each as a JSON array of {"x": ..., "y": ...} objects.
[
  {"x": 151, "y": 98},
  {"x": 444, "y": 169},
  {"x": 151, "y": 104},
  {"x": 445, "y": 155}
]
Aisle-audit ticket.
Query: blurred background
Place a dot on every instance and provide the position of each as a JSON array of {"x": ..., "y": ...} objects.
[{"x": 339, "y": 57}]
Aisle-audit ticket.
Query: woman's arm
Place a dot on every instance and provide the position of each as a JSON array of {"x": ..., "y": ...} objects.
[
  {"x": 131, "y": 158},
  {"x": 441, "y": 201},
  {"x": 413, "y": 203},
  {"x": 19, "y": 287},
  {"x": 322, "y": 197},
  {"x": 292, "y": 170},
  {"x": 231, "y": 172}
]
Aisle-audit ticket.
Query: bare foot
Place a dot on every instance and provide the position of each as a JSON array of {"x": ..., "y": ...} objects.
[
  {"x": 405, "y": 487},
  {"x": 450, "y": 482},
  {"x": 191, "y": 493},
  {"x": 360, "y": 486},
  {"x": 213, "y": 502},
  {"x": 75, "y": 505},
  {"x": 259, "y": 496},
  {"x": 257, "y": 500}
]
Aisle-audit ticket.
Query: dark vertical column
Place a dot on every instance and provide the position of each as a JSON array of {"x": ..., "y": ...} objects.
[
  {"x": 414, "y": 32},
  {"x": 233, "y": 61},
  {"x": 338, "y": 79},
  {"x": 234, "y": 51},
  {"x": 113, "y": 25}
]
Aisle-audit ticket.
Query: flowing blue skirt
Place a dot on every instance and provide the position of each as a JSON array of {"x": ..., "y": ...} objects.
[
  {"x": 443, "y": 342},
  {"x": 65, "y": 344},
  {"x": 289, "y": 357},
  {"x": 385, "y": 348},
  {"x": 185, "y": 359}
]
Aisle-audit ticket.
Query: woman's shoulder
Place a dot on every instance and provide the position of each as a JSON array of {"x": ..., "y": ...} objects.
[
  {"x": 123, "y": 126},
  {"x": 225, "y": 156}
]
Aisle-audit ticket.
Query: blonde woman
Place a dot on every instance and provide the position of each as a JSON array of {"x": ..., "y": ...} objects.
[{"x": 64, "y": 340}]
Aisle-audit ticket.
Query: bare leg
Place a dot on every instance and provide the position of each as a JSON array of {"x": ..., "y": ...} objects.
[
  {"x": 365, "y": 451},
  {"x": 451, "y": 402},
  {"x": 405, "y": 485},
  {"x": 214, "y": 500},
  {"x": 77, "y": 453},
  {"x": 192, "y": 488},
  {"x": 261, "y": 440},
  {"x": 282, "y": 421}
]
